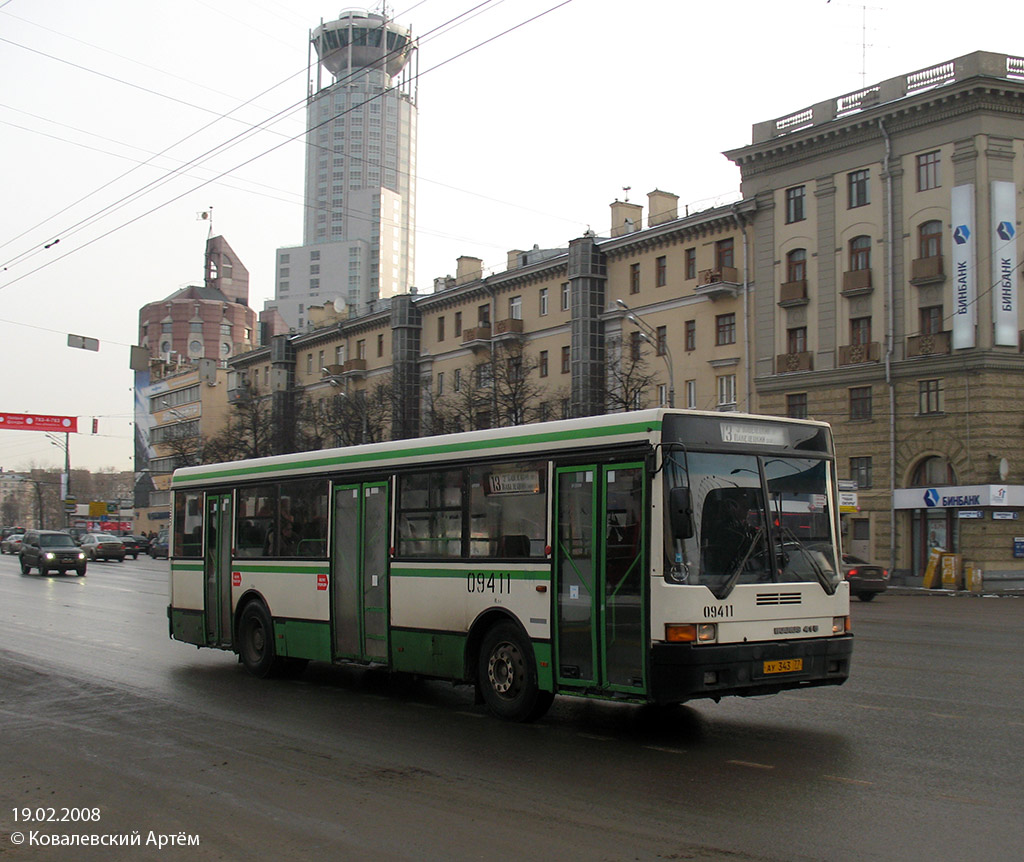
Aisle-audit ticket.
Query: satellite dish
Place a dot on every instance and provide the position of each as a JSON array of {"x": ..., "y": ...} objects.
[
  {"x": 1004, "y": 469},
  {"x": 339, "y": 304}
]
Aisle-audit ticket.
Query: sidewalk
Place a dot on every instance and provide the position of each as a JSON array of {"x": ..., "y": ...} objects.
[{"x": 994, "y": 591}]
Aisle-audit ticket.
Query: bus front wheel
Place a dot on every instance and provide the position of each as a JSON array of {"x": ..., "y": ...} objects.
[
  {"x": 256, "y": 640},
  {"x": 507, "y": 675}
]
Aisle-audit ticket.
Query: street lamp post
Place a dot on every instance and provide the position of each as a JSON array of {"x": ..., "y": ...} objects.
[{"x": 648, "y": 334}]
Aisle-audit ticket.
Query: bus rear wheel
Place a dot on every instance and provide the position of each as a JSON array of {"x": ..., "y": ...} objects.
[
  {"x": 256, "y": 641},
  {"x": 507, "y": 675}
]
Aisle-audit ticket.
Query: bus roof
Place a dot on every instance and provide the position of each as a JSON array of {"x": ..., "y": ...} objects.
[{"x": 520, "y": 440}]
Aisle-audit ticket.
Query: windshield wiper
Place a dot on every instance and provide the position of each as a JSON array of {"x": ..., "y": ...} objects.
[
  {"x": 819, "y": 572},
  {"x": 735, "y": 575}
]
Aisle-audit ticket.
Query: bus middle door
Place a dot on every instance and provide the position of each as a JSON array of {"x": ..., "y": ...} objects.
[
  {"x": 601, "y": 588},
  {"x": 359, "y": 577}
]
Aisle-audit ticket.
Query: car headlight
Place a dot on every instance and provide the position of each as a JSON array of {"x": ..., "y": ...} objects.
[
  {"x": 81, "y": 556},
  {"x": 49, "y": 555}
]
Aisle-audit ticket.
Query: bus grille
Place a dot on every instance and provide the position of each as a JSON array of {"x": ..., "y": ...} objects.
[{"x": 779, "y": 598}]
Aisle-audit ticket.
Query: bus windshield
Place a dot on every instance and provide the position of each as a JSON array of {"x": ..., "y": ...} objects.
[{"x": 754, "y": 520}]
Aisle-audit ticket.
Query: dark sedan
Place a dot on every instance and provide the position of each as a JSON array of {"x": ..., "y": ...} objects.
[
  {"x": 866, "y": 579},
  {"x": 134, "y": 545}
]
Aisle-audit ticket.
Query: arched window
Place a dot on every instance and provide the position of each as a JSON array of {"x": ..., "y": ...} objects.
[
  {"x": 796, "y": 265},
  {"x": 930, "y": 239},
  {"x": 860, "y": 253},
  {"x": 932, "y": 471}
]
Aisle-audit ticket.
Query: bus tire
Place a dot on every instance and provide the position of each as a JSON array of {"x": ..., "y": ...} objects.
[
  {"x": 507, "y": 675},
  {"x": 256, "y": 641}
]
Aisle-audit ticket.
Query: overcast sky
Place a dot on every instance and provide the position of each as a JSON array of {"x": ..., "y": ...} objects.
[{"x": 523, "y": 140}]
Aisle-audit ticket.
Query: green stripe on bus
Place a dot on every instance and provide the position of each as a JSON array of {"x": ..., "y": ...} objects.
[
  {"x": 439, "y": 449},
  {"x": 534, "y": 575},
  {"x": 290, "y": 569},
  {"x": 187, "y": 567}
]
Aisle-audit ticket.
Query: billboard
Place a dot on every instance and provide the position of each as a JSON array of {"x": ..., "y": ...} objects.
[
  {"x": 38, "y": 422},
  {"x": 1004, "y": 263},
  {"x": 965, "y": 272}
]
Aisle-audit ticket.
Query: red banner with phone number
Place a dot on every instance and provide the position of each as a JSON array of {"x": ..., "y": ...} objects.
[{"x": 38, "y": 422}]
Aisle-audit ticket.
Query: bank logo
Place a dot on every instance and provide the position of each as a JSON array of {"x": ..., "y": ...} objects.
[
  {"x": 1005, "y": 231},
  {"x": 961, "y": 234},
  {"x": 931, "y": 498}
]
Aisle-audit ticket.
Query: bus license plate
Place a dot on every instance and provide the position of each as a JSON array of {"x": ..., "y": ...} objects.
[{"x": 786, "y": 665}]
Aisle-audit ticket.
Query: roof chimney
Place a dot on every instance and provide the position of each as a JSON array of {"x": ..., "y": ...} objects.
[
  {"x": 661, "y": 207},
  {"x": 468, "y": 269},
  {"x": 626, "y": 217},
  {"x": 513, "y": 258}
]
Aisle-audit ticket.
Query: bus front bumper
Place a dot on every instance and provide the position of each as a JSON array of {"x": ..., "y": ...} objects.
[{"x": 681, "y": 672}]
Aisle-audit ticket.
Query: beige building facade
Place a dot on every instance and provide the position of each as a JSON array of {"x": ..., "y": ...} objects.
[{"x": 887, "y": 274}]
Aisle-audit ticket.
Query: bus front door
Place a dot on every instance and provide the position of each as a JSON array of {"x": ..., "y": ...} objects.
[
  {"x": 359, "y": 577},
  {"x": 601, "y": 588},
  {"x": 217, "y": 610}
]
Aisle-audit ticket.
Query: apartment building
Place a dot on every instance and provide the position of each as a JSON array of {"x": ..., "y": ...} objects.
[{"x": 887, "y": 274}]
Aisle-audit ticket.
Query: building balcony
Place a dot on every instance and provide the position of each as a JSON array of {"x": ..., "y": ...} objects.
[
  {"x": 856, "y": 282},
  {"x": 855, "y": 354},
  {"x": 354, "y": 368},
  {"x": 927, "y": 270},
  {"x": 477, "y": 338},
  {"x": 509, "y": 328},
  {"x": 786, "y": 363},
  {"x": 793, "y": 293},
  {"x": 928, "y": 345},
  {"x": 718, "y": 283}
]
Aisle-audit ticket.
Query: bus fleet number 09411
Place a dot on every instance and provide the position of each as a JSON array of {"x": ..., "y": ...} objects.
[{"x": 499, "y": 583}]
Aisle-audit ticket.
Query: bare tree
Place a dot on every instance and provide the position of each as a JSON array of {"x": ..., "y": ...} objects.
[
  {"x": 248, "y": 433},
  {"x": 629, "y": 377},
  {"x": 516, "y": 392},
  {"x": 347, "y": 419}
]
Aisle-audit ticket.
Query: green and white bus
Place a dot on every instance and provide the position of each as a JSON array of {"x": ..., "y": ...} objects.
[{"x": 655, "y": 556}]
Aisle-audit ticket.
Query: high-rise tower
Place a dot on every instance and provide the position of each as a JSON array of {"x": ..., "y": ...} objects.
[{"x": 360, "y": 195}]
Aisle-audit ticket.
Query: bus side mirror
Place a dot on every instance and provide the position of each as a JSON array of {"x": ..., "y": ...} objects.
[{"x": 680, "y": 513}]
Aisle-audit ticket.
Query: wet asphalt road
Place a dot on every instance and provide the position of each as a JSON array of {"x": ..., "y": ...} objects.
[{"x": 918, "y": 756}]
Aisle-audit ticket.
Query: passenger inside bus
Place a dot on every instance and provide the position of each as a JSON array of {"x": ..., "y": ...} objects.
[{"x": 727, "y": 532}]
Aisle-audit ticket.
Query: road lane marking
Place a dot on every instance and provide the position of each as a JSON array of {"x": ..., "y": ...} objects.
[
  {"x": 842, "y": 780},
  {"x": 750, "y": 764}
]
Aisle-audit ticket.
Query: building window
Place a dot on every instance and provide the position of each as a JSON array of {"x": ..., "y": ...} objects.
[
  {"x": 928, "y": 171},
  {"x": 662, "y": 395},
  {"x": 515, "y": 307},
  {"x": 860, "y": 253},
  {"x": 566, "y": 360},
  {"x": 634, "y": 345},
  {"x": 725, "y": 329},
  {"x": 727, "y": 391},
  {"x": 691, "y": 335},
  {"x": 929, "y": 394},
  {"x": 930, "y": 239},
  {"x": 661, "y": 345},
  {"x": 458, "y": 323},
  {"x": 440, "y": 383},
  {"x": 457, "y": 380},
  {"x": 309, "y": 363},
  {"x": 565, "y": 296},
  {"x": 724, "y": 253},
  {"x": 796, "y": 339},
  {"x": 860, "y": 331},
  {"x": 440, "y": 328},
  {"x": 860, "y": 402},
  {"x": 380, "y": 344},
  {"x": 634, "y": 278},
  {"x": 931, "y": 320},
  {"x": 691, "y": 394},
  {"x": 796, "y": 265},
  {"x": 691, "y": 263},
  {"x": 361, "y": 349},
  {"x": 796, "y": 405},
  {"x": 483, "y": 315},
  {"x": 543, "y": 364},
  {"x": 860, "y": 471},
  {"x": 857, "y": 185},
  {"x": 795, "y": 204},
  {"x": 661, "y": 271},
  {"x": 543, "y": 301}
]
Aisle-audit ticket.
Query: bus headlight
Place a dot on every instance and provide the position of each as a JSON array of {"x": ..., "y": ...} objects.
[
  {"x": 841, "y": 625},
  {"x": 688, "y": 633}
]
